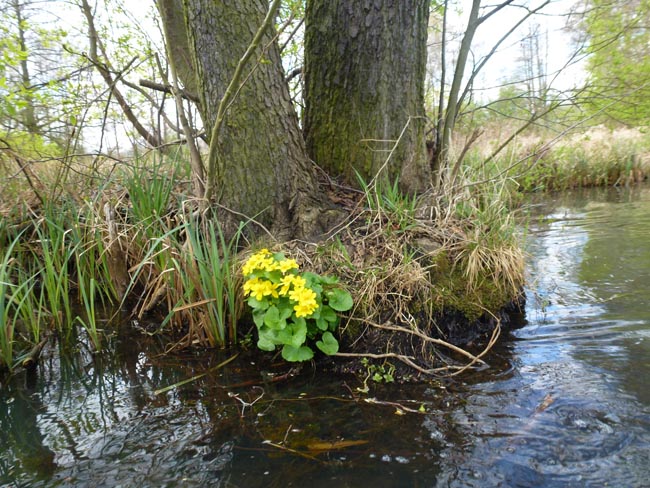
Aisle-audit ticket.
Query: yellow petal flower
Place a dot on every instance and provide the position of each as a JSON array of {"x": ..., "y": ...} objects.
[
  {"x": 285, "y": 284},
  {"x": 287, "y": 264},
  {"x": 306, "y": 308},
  {"x": 301, "y": 294},
  {"x": 250, "y": 285},
  {"x": 306, "y": 301},
  {"x": 269, "y": 289},
  {"x": 260, "y": 260}
]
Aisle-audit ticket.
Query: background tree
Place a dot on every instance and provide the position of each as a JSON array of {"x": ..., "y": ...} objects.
[
  {"x": 364, "y": 88},
  {"x": 618, "y": 34},
  {"x": 34, "y": 72},
  {"x": 534, "y": 65},
  {"x": 456, "y": 95}
]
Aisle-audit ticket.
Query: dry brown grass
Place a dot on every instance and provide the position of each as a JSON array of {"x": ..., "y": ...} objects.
[
  {"x": 402, "y": 279},
  {"x": 595, "y": 157}
]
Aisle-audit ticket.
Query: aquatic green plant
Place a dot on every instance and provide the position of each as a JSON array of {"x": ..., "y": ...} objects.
[
  {"x": 9, "y": 300},
  {"x": 88, "y": 291},
  {"x": 291, "y": 307},
  {"x": 379, "y": 372},
  {"x": 209, "y": 277},
  {"x": 150, "y": 191},
  {"x": 55, "y": 252},
  {"x": 91, "y": 256},
  {"x": 31, "y": 311}
]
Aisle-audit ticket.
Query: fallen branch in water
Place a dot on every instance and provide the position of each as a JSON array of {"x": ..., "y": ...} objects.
[
  {"x": 451, "y": 370},
  {"x": 193, "y": 378},
  {"x": 293, "y": 451},
  {"x": 32, "y": 357}
]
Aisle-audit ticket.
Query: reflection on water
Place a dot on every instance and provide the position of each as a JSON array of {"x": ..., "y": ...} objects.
[{"x": 565, "y": 403}]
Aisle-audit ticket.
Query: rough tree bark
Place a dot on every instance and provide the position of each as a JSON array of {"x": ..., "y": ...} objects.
[
  {"x": 364, "y": 82},
  {"x": 262, "y": 171},
  {"x": 173, "y": 21}
]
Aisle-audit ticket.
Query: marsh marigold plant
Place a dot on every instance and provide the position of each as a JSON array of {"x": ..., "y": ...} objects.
[{"x": 292, "y": 309}]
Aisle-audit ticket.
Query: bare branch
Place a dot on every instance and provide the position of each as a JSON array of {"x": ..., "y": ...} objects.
[
  {"x": 487, "y": 57},
  {"x": 161, "y": 87},
  {"x": 111, "y": 82}
]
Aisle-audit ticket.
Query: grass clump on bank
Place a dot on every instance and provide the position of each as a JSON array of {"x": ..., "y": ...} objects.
[
  {"x": 134, "y": 251},
  {"x": 424, "y": 275}
]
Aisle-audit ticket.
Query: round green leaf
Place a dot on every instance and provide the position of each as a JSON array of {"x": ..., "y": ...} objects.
[
  {"x": 329, "y": 345},
  {"x": 299, "y": 334},
  {"x": 254, "y": 303},
  {"x": 322, "y": 324},
  {"x": 258, "y": 317},
  {"x": 295, "y": 354},
  {"x": 272, "y": 318},
  {"x": 265, "y": 344},
  {"x": 285, "y": 312},
  {"x": 329, "y": 280},
  {"x": 339, "y": 299},
  {"x": 328, "y": 314}
]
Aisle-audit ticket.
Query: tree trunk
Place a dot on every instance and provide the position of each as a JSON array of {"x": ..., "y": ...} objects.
[
  {"x": 28, "y": 113},
  {"x": 364, "y": 88},
  {"x": 441, "y": 162},
  {"x": 262, "y": 170},
  {"x": 173, "y": 21}
]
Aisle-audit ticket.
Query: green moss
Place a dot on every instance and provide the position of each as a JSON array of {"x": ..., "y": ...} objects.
[{"x": 451, "y": 292}]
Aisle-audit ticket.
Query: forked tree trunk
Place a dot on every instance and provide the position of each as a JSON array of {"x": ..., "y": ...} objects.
[
  {"x": 263, "y": 171},
  {"x": 364, "y": 88}
]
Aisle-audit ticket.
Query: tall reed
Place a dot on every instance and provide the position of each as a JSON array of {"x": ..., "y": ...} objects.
[
  {"x": 595, "y": 157},
  {"x": 32, "y": 312},
  {"x": 209, "y": 275},
  {"x": 91, "y": 257},
  {"x": 88, "y": 287},
  {"x": 55, "y": 251},
  {"x": 13, "y": 299},
  {"x": 150, "y": 193}
]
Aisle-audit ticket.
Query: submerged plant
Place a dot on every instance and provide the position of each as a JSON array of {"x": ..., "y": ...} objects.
[{"x": 291, "y": 307}]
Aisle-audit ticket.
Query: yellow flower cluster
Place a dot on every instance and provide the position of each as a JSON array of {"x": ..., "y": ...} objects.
[
  {"x": 291, "y": 285},
  {"x": 306, "y": 298},
  {"x": 259, "y": 289},
  {"x": 264, "y": 261}
]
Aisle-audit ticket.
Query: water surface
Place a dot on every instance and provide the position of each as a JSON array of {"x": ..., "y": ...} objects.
[{"x": 566, "y": 401}]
